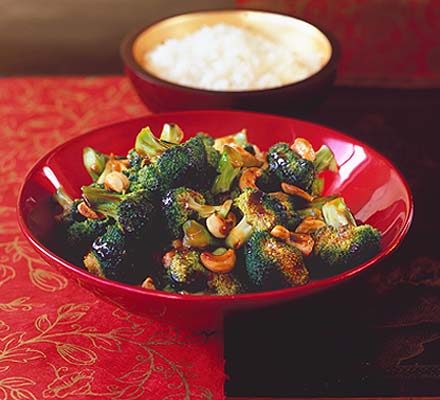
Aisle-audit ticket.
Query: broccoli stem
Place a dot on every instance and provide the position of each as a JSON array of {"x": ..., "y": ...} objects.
[
  {"x": 94, "y": 162},
  {"x": 63, "y": 199},
  {"x": 205, "y": 210},
  {"x": 240, "y": 234},
  {"x": 325, "y": 159},
  {"x": 196, "y": 235},
  {"x": 147, "y": 145},
  {"x": 171, "y": 133},
  {"x": 228, "y": 168},
  {"x": 101, "y": 200},
  {"x": 317, "y": 186},
  {"x": 337, "y": 214}
]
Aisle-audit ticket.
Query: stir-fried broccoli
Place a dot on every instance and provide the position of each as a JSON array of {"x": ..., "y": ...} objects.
[
  {"x": 80, "y": 235},
  {"x": 288, "y": 166},
  {"x": 228, "y": 169},
  {"x": 287, "y": 207},
  {"x": 133, "y": 212},
  {"x": 135, "y": 160},
  {"x": 212, "y": 155},
  {"x": 192, "y": 163},
  {"x": 342, "y": 243},
  {"x": 224, "y": 285},
  {"x": 236, "y": 218},
  {"x": 108, "y": 257},
  {"x": 185, "y": 271},
  {"x": 273, "y": 264},
  {"x": 261, "y": 212},
  {"x": 148, "y": 179},
  {"x": 182, "y": 204}
]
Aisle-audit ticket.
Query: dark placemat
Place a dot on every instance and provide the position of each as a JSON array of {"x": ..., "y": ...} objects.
[{"x": 379, "y": 335}]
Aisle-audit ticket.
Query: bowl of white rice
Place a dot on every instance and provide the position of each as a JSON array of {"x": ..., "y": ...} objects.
[{"x": 230, "y": 59}]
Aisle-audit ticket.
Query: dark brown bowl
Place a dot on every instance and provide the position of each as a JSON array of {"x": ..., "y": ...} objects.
[{"x": 162, "y": 95}]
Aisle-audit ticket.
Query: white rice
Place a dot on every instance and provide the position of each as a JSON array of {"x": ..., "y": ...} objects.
[{"x": 225, "y": 57}]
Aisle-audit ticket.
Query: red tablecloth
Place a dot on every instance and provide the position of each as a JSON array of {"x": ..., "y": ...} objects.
[{"x": 57, "y": 340}]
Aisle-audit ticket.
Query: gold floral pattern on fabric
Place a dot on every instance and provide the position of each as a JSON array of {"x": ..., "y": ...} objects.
[{"x": 57, "y": 340}]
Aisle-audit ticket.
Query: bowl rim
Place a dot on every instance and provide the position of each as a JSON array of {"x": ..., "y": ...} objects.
[
  {"x": 279, "y": 294},
  {"x": 126, "y": 54}
]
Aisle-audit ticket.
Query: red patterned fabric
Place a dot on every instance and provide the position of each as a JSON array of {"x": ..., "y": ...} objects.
[
  {"x": 384, "y": 43},
  {"x": 57, "y": 340}
]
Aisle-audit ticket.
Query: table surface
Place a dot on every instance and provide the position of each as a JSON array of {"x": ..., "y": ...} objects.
[{"x": 378, "y": 336}]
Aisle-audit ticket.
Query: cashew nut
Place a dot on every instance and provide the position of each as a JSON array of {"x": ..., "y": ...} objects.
[
  {"x": 296, "y": 191},
  {"x": 302, "y": 241},
  {"x": 220, "y": 226},
  {"x": 220, "y": 264},
  {"x": 167, "y": 258},
  {"x": 177, "y": 244},
  {"x": 249, "y": 177},
  {"x": 304, "y": 148},
  {"x": 117, "y": 182},
  {"x": 249, "y": 160},
  {"x": 113, "y": 165},
  {"x": 309, "y": 225},
  {"x": 148, "y": 283},
  {"x": 86, "y": 211}
]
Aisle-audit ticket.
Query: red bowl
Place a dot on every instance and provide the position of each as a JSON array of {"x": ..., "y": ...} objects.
[{"x": 373, "y": 188}]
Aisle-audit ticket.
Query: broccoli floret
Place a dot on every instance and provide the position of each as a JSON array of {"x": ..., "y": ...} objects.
[
  {"x": 94, "y": 162},
  {"x": 148, "y": 179},
  {"x": 204, "y": 160},
  {"x": 346, "y": 246},
  {"x": 69, "y": 208},
  {"x": 192, "y": 163},
  {"x": 212, "y": 155},
  {"x": 182, "y": 204},
  {"x": 288, "y": 215},
  {"x": 133, "y": 212},
  {"x": 187, "y": 164},
  {"x": 261, "y": 212},
  {"x": 224, "y": 285},
  {"x": 116, "y": 256},
  {"x": 186, "y": 272},
  {"x": 148, "y": 146},
  {"x": 272, "y": 264},
  {"x": 80, "y": 235},
  {"x": 264, "y": 211},
  {"x": 229, "y": 167},
  {"x": 342, "y": 243},
  {"x": 108, "y": 256},
  {"x": 288, "y": 166},
  {"x": 135, "y": 160}
]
